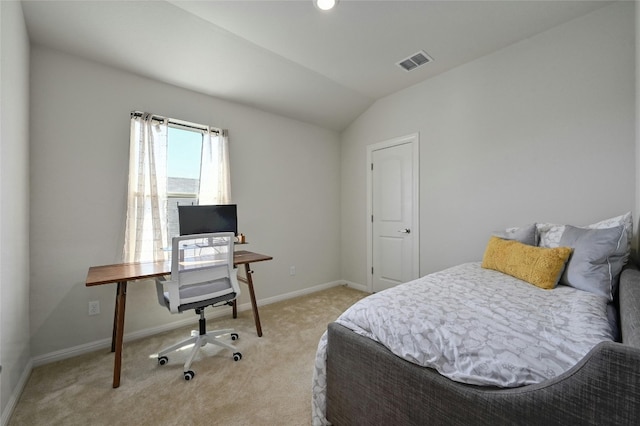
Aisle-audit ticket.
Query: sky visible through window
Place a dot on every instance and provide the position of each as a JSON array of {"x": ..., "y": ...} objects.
[{"x": 183, "y": 153}]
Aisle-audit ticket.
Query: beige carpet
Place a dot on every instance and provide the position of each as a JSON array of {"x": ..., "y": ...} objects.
[{"x": 271, "y": 385}]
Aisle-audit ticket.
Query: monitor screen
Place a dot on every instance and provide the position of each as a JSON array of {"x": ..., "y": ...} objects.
[{"x": 207, "y": 219}]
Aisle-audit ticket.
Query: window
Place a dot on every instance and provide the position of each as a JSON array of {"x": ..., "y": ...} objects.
[
  {"x": 184, "y": 148},
  {"x": 171, "y": 162}
]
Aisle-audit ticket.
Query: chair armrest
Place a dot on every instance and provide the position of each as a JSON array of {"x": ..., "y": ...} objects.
[{"x": 160, "y": 291}]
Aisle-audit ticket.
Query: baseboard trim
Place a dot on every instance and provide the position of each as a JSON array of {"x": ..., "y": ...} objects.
[
  {"x": 15, "y": 396},
  {"x": 298, "y": 293},
  {"x": 357, "y": 286}
]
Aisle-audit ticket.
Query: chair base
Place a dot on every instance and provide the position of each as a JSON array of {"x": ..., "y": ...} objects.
[{"x": 198, "y": 340}]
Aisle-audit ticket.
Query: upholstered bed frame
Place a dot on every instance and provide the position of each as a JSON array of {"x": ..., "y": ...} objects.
[{"x": 369, "y": 385}]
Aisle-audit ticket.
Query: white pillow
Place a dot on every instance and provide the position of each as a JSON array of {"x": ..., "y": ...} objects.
[{"x": 550, "y": 234}]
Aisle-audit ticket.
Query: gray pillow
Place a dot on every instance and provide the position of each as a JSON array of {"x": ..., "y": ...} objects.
[
  {"x": 597, "y": 259},
  {"x": 525, "y": 235}
]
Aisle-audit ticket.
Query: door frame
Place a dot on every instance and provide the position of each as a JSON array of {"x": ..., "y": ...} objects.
[{"x": 414, "y": 140}]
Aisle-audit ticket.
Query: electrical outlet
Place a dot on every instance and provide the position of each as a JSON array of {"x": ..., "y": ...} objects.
[
  {"x": 292, "y": 270},
  {"x": 94, "y": 307}
]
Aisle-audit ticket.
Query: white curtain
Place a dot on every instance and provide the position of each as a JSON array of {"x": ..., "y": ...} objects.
[
  {"x": 146, "y": 225},
  {"x": 215, "y": 185}
]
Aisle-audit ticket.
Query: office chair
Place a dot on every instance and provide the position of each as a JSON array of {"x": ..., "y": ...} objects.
[{"x": 202, "y": 274}]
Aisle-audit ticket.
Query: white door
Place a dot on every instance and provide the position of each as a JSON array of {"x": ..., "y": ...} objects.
[{"x": 394, "y": 230}]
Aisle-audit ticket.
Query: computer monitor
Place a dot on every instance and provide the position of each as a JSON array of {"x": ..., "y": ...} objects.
[{"x": 208, "y": 218}]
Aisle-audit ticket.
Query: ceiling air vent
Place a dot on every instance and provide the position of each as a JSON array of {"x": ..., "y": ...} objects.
[{"x": 414, "y": 61}]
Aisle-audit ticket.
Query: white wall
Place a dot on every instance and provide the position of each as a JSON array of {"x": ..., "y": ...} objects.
[
  {"x": 542, "y": 130},
  {"x": 14, "y": 205},
  {"x": 285, "y": 180}
]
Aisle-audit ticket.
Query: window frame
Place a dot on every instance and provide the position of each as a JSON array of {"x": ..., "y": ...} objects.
[{"x": 137, "y": 240}]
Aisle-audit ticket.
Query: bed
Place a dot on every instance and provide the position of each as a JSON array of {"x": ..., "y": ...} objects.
[{"x": 498, "y": 361}]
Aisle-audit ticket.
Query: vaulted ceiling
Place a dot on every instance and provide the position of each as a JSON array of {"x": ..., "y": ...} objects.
[{"x": 288, "y": 57}]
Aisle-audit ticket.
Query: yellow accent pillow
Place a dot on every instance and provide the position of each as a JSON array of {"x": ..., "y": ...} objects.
[{"x": 539, "y": 266}]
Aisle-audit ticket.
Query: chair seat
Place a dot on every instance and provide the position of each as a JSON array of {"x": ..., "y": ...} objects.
[
  {"x": 209, "y": 287},
  {"x": 195, "y": 290},
  {"x": 208, "y": 302}
]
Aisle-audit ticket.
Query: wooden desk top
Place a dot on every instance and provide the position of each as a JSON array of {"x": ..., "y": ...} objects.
[{"x": 107, "y": 274}]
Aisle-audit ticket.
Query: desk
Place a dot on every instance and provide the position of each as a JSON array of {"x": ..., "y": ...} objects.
[{"x": 124, "y": 272}]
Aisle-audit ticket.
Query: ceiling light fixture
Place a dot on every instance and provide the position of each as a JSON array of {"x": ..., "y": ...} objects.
[{"x": 325, "y": 4}]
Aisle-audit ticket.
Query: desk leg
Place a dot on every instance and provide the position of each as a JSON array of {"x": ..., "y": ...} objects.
[
  {"x": 115, "y": 321},
  {"x": 118, "y": 331},
  {"x": 254, "y": 304}
]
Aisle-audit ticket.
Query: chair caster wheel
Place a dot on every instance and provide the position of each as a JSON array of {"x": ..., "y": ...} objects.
[
  {"x": 234, "y": 336},
  {"x": 188, "y": 375},
  {"x": 163, "y": 360},
  {"x": 237, "y": 356}
]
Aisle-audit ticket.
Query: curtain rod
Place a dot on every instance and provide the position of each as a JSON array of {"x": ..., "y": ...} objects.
[{"x": 179, "y": 123}]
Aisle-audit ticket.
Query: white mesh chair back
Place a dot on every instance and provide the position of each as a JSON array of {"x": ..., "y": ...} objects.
[{"x": 202, "y": 272}]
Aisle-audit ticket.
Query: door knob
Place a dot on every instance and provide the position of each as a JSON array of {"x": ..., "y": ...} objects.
[{"x": 405, "y": 231}]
